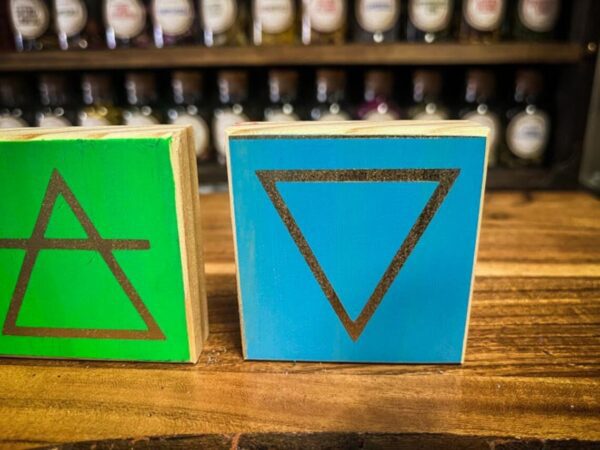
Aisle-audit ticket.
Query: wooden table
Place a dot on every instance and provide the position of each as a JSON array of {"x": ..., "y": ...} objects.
[{"x": 531, "y": 376}]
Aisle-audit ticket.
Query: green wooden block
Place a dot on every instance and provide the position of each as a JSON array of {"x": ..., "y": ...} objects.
[{"x": 100, "y": 254}]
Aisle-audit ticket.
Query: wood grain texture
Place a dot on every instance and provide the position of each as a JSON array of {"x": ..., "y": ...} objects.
[
  {"x": 365, "y": 54},
  {"x": 531, "y": 378}
]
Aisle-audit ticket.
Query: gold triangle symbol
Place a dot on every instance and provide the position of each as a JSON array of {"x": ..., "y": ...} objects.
[
  {"x": 445, "y": 179},
  {"x": 57, "y": 186}
]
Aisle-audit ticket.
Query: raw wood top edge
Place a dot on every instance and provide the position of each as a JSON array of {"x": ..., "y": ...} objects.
[
  {"x": 355, "y": 128},
  {"x": 111, "y": 132}
]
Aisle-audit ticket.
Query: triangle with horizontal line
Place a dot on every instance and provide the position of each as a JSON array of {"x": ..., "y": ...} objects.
[{"x": 354, "y": 244}]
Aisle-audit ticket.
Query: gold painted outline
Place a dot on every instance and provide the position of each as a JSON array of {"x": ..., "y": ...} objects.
[
  {"x": 57, "y": 185},
  {"x": 445, "y": 179}
]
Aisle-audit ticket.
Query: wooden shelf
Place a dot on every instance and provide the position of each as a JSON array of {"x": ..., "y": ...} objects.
[
  {"x": 362, "y": 54},
  {"x": 530, "y": 378}
]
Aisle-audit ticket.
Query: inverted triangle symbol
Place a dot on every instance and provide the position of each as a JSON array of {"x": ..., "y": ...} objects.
[{"x": 445, "y": 179}]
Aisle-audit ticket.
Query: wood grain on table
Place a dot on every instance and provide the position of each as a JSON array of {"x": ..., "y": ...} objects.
[{"x": 531, "y": 377}]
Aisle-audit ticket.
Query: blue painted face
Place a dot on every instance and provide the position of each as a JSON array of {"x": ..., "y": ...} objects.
[{"x": 356, "y": 249}]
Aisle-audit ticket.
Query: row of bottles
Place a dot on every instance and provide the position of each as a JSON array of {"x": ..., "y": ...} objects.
[
  {"x": 520, "y": 128},
  {"x": 81, "y": 24}
]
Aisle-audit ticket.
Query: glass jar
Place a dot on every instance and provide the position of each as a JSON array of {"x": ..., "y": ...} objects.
[
  {"x": 78, "y": 24},
  {"x": 283, "y": 93},
  {"x": 535, "y": 20},
  {"x": 427, "y": 103},
  {"x": 429, "y": 20},
  {"x": 482, "y": 20},
  {"x": 175, "y": 22},
  {"x": 99, "y": 101},
  {"x": 378, "y": 104},
  {"x": 57, "y": 104},
  {"x": 189, "y": 109},
  {"x": 274, "y": 22},
  {"x": 223, "y": 22},
  {"x": 232, "y": 108},
  {"x": 127, "y": 23},
  {"x": 330, "y": 99},
  {"x": 31, "y": 24},
  {"x": 324, "y": 21},
  {"x": 15, "y": 102},
  {"x": 140, "y": 89}
]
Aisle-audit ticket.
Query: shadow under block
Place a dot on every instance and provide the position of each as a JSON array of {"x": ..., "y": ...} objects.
[
  {"x": 100, "y": 250},
  {"x": 356, "y": 241}
]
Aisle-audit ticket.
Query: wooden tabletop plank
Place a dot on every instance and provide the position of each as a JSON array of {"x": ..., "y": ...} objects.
[{"x": 532, "y": 366}]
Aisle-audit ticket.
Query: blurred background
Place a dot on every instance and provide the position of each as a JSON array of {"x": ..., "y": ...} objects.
[{"x": 524, "y": 68}]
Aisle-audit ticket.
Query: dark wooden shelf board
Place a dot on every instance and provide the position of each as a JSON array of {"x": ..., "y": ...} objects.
[{"x": 362, "y": 54}]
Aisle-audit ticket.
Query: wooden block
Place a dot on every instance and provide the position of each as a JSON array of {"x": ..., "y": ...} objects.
[
  {"x": 100, "y": 249},
  {"x": 356, "y": 241}
]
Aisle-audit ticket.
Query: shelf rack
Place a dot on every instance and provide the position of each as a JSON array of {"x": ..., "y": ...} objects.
[{"x": 349, "y": 54}]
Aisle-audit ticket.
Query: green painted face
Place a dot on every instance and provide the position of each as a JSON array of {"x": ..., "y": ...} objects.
[{"x": 90, "y": 263}]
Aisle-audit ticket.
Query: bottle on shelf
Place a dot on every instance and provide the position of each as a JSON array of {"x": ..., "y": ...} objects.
[
  {"x": 429, "y": 20},
  {"x": 31, "y": 22},
  {"x": 57, "y": 108},
  {"x": 376, "y": 20},
  {"x": 188, "y": 109},
  {"x": 528, "y": 124},
  {"x": 13, "y": 100},
  {"x": 99, "y": 101},
  {"x": 427, "y": 90},
  {"x": 324, "y": 21},
  {"x": 535, "y": 20},
  {"x": 78, "y": 24},
  {"x": 140, "y": 90},
  {"x": 232, "y": 108},
  {"x": 378, "y": 104},
  {"x": 223, "y": 22},
  {"x": 331, "y": 92},
  {"x": 479, "y": 106},
  {"x": 273, "y": 22},
  {"x": 283, "y": 92},
  {"x": 175, "y": 22},
  {"x": 127, "y": 23},
  {"x": 482, "y": 20}
]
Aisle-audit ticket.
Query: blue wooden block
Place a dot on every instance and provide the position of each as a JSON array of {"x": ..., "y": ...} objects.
[{"x": 356, "y": 241}]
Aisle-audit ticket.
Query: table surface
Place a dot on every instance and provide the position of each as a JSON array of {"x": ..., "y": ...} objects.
[{"x": 531, "y": 375}]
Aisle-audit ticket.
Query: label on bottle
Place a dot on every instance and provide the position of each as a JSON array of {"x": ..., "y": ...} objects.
[
  {"x": 53, "y": 121},
  {"x": 484, "y": 15},
  {"x": 527, "y": 134},
  {"x": 30, "y": 18},
  {"x": 430, "y": 16},
  {"x": 491, "y": 121},
  {"x": 326, "y": 16},
  {"x": 138, "y": 119},
  {"x": 275, "y": 16},
  {"x": 218, "y": 15},
  {"x": 85, "y": 120},
  {"x": 12, "y": 122},
  {"x": 538, "y": 15},
  {"x": 174, "y": 17},
  {"x": 278, "y": 115},
  {"x": 223, "y": 120},
  {"x": 126, "y": 17},
  {"x": 333, "y": 117},
  {"x": 200, "y": 132},
  {"x": 71, "y": 16},
  {"x": 377, "y": 16},
  {"x": 377, "y": 116}
]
